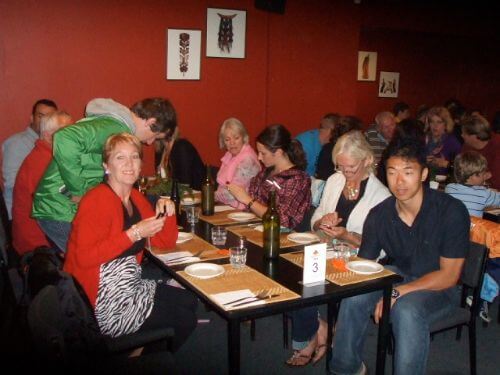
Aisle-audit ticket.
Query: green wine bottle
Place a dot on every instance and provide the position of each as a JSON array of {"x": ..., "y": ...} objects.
[
  {"x": 271, "y": 233},
  {"x": 207, "y": 194}
]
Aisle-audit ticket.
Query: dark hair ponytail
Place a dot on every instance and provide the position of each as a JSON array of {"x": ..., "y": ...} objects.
[{"x": 276, "y": 137}]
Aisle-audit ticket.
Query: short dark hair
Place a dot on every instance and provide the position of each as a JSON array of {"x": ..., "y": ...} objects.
[
  {"x": 47, "y": 102},
  {"x": 345, "y": 125},
  {"x": 477, "y": 125},
  {"x": 410, "y": 149},
  {"x": 160, "y": 109},
  {"x": 400, "y": 107}
]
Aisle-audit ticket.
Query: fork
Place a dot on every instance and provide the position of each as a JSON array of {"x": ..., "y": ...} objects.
[
  {"x": 176, "y": 260},
  {"x": 254, "y": 300},
  {"x": 261, "y": 295}
]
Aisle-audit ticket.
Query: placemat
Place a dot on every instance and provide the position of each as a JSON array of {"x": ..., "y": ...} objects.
[
  {"x": 334, "y": 275},
  {"x": 256, "y": 237},
  {"x": 210, "y": 252},
  {"x": 220, "y": 218},
  {"x": 238, "y": 279}
]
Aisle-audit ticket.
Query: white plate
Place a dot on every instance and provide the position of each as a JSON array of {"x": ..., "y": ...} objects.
[
  {"x": 441, "y": 177},
  {"x": 364, "y": 267},
  {"x": 303, "y": 238},
  {"x": 204, "y": 270},
  {"x": 184, "y": 237},
  {"x": 190, "y": 201},
  {"x": 241, "y": 216}
]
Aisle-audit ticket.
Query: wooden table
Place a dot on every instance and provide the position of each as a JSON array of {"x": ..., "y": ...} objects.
[{"x": 288, "y": 275}]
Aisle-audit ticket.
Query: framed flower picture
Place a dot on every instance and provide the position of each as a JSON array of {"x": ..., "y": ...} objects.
[
  {"x": 226, "y": 29},
  {"x": 183, "y": 54}
]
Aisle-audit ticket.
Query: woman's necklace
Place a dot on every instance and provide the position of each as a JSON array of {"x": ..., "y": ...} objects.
[{"x": 352, "y": 192}]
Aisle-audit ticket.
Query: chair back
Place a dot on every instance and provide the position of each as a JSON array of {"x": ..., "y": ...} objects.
[{"x": 473, "y": 275}]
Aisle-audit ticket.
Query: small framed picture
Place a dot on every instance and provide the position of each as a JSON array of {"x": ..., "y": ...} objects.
[
  {"x": 367, "y": 66},
  {"x": 183, "y": 54},
  {"x": 388, "y": 86},
  {"x": 226, "y": 29}
]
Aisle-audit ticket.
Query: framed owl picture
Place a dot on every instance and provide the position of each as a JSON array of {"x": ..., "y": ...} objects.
[
  {"x": 183, "y": 54},
  {"x": 226, "y": 29}
]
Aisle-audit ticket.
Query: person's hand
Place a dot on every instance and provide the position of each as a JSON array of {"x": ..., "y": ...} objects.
[
  {"x": 335, "y": 232},
  {"x": 329, "y": 221},
  {"x": 76, "y": 199},
  {"x": 239, "y": 193},
  {"x": 440, "y": 162},
  {"x": 150, "y": 226},
  {"x": 377, "y": 314},
  {"x": 165, "y": 206}
]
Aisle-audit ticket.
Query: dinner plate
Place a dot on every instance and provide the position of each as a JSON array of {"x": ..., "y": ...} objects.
[
  {"x": 184, "y": 237},
  {"x": 241, "y": 216},
  {"x": 441, "y": 177},
  {"x": 364, "y": 267},
  {"x": 204, "y": 270},
  {"x": 190, "y": 201},
  {"x": 303, "y": 238}
]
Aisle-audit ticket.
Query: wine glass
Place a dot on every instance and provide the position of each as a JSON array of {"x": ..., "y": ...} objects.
[{"x": 143, "y": 184}]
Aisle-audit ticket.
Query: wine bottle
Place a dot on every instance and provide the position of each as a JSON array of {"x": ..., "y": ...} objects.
[
  {"x": 175, "y": 197},
  {"x": 207, "y": 195},
  {"x": 271, "y": 233}
]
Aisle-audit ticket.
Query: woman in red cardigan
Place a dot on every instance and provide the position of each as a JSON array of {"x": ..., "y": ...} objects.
[{"x": 106, "y": 247}]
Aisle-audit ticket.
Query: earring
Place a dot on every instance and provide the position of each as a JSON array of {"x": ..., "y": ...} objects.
[{"x": 106, "y": 171}]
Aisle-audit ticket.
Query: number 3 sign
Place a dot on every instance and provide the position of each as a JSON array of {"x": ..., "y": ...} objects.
[{"x": 314, "y": 263}]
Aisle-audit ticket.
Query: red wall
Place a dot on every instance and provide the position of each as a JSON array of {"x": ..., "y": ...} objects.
[{"x": 298, "y": 66}]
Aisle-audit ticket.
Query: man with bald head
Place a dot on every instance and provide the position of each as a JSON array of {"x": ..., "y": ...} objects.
[{"x": 380, "y": 134}]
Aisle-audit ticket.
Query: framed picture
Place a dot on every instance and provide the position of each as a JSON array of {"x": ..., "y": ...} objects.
[
  {"x": 226, "y": 29},
  {"x": 367, "y": 66},
  {"x": 388, "y": 86},
  {"x": 183, "y": 54}
]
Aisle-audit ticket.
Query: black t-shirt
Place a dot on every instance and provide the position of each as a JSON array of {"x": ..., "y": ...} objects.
[
  {"x": 345, "y": 206},
  {"x": 441, "y": 229},
  {"x": 325, "y": 167}
]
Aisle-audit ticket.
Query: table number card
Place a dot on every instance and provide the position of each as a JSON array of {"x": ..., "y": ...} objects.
[{"x": 314, "y": 263}]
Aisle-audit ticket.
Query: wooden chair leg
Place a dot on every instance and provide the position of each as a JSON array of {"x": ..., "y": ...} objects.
[{"x": 285, "y": 331}]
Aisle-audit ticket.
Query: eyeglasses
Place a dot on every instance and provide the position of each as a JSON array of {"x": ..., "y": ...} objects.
[{"x": 348, "y": 168}]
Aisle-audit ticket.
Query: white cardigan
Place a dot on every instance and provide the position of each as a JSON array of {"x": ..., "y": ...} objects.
[{"x": 375, "y": 193}]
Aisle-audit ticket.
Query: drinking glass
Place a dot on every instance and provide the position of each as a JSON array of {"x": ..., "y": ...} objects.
[
  {"x": 143, "y": 184},
  {"x": 341, "y": 255},
  {"x": 237, "y": 256},
  {"x": 192, "y": 214},
  {"x": 219, "y": 235}
]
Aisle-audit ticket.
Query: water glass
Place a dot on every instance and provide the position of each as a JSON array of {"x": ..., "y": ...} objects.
[
  {"x": 238, "y": 256},
  {"x": 192, "y": 214},
  {"x": 341, "y": 255},
  {"x": 219, "y": 235}
]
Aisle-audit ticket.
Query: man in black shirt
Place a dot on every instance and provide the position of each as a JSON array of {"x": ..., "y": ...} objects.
[{"x": 426, "y": 234}]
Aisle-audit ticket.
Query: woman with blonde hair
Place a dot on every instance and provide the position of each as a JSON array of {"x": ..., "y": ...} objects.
[
  {"x": 239, "y": 163},
  {"x": 348, "y": 197},
  {"x": 441, "y": 145}
]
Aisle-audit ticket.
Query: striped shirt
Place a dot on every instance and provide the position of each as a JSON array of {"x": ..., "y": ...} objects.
[
  {"x": 377, "y": 142},
  {"x": 475, "y": 198}
]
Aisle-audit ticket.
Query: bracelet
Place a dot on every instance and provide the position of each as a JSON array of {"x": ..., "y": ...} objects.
[
  {"x": 250, "y": 203},
  {"x": 136, "y": 232}
]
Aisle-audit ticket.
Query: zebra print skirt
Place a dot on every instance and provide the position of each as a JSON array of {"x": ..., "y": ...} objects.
[{"x": 124, "y": 300}]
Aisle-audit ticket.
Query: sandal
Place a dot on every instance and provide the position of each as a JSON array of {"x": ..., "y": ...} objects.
[
  {"x": 298, "y": 359},
  {"x": 319, "y": 353}
]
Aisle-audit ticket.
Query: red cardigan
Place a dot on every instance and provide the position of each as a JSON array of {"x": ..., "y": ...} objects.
[
  {"x": 26, "y": 233},
  {"x": 97, "y": 236}
]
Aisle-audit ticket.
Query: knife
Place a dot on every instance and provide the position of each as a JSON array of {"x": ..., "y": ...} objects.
[{"x": 255, "y": 299}]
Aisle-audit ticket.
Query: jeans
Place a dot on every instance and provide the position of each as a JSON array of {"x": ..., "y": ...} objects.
[
  {"x": 411, "y": 317},
  {"x": 57, "y": 231},
  {"x": 304, "y": 326}
]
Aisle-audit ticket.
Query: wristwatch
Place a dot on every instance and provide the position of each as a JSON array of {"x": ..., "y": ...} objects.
[{"x": 395, "y": 294}]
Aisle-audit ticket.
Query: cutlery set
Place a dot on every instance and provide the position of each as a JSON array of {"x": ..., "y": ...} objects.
[{"x": 263, "y": 295}]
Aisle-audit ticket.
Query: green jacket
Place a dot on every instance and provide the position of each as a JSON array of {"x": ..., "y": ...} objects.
[{"x": 75, "y": 168}]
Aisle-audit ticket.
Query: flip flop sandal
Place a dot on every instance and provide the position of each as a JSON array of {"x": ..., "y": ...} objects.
[
  {"x": 317, "y": 357},
  {"x": 294, "y": 360}
]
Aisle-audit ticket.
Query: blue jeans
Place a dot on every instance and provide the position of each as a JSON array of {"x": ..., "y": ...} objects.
[
  {"x": 57, "y": 231},
  {"x": 304, "y": 326},
  {"x": 411, "y": 317}
]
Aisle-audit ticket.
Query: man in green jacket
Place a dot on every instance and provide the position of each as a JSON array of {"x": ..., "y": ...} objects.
[{"x": 77, "y": 161}]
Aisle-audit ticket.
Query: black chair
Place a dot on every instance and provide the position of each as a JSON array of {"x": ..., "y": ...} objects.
[
  {"x": 471, "y": 281},
  {"x": 61, "y": 345}
]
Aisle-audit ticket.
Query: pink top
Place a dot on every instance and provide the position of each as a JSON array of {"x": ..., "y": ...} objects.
[{"x": 237, "y": 170}]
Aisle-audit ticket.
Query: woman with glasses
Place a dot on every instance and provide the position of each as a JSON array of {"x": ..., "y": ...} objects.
[{"x": 348, "y": 197}]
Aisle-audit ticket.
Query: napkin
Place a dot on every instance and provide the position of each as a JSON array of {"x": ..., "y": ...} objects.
[
  {"x": 226, "y": 297},
  {"x": 260, "y": 228},
  {"x": 223, "y": 208},
  {"x": 178, "y": 257}
]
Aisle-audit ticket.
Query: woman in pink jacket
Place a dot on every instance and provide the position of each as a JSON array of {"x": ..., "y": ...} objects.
[{"x": 239, "y": 164}]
